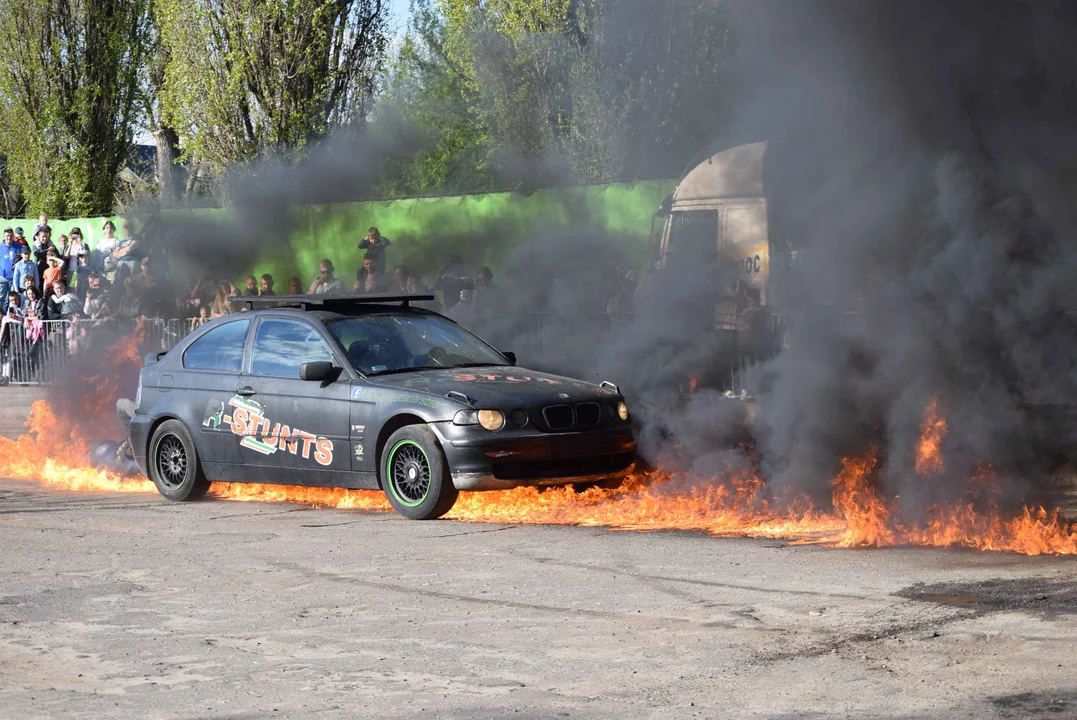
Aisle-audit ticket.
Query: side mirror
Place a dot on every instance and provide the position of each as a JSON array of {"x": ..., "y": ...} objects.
[
  {"x": 316, "y": 371},
  {"x": 510, "y": 356}
]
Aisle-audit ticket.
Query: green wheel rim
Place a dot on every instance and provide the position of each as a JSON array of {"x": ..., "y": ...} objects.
[{"x": 407, "y": 473}]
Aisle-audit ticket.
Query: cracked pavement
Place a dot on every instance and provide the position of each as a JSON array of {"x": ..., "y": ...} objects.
[{"x": 127, "y": 605}]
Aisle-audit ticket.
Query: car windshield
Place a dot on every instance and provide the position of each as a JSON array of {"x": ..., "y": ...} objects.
[{"x": 385, "y": 343}]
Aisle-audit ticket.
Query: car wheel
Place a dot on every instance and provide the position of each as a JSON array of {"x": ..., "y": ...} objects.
[
  {"x": 415, "y": 475},
  {"x": 173, "y": 463}
]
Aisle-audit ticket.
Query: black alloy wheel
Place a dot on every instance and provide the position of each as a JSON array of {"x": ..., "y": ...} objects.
[
  {"x": 173, "y": 463},
  {"x": 415, "y": 475}
]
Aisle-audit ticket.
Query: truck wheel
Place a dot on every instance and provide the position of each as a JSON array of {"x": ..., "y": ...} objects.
[
  {"x": 173, "y": 463},
  {"x": 415, "y": 475}
]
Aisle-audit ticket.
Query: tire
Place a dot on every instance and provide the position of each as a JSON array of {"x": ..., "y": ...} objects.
[
  {"x": 173, "y": 463},
  {"x": 415, "y": 475}
]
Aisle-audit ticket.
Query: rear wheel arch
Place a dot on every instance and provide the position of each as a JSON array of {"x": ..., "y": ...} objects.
[{"x": 157, "y": 422}]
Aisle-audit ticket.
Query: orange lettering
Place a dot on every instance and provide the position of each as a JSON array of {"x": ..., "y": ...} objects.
[
  {"x": 239, "y": 421},
  {"x": 323, "y": 452},
  {"x": 308, "y": 440}
]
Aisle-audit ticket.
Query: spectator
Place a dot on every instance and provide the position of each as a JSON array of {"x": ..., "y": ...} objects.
[
  {"x": 484, "y": 283},
  {"x": 128, "y": 252},
  {"x": 71, "y": 250},
  {"x": 266, "y": 288},
  {"x": 10, "y": 326},
  {"x": 250, "y": 287},
  {"x": 415, "y": 286},
  {"x": 20, "y": 238},
  {"x": 13, "y": 312},
  {"x": 374, "y": 245},
  {"x": 325, "y": 283},
  {"x": 451, "y": 281},
  {"x": 368, "y": 279},
  {"x": 221, "y": 305},
  {"x": 82, "y": 277},
  {"x": 107, "y": 246},
  {"x": 130, "y": 306},
  {"x": 203, "y": 315},
  {"x": 42, "y": 222},
  {"x": 27, "y": 283},
  {"x": 63, "y": 304},
  {"x": 295, "y": 285},
  {"x": 54, "y": 271},
  {"x": 155, "y": 299},
  {"x": 401, "y": 275},
  {"x": 34, "y": 307},
  {"x": 97, "y": 303},
  {"x": 9, "y": 255},
  {"x": 42, "y": 246},
  {"x": 25, "y": 268}
]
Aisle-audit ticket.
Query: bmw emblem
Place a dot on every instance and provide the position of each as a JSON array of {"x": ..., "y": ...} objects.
[{"x": 563, "y": 396}]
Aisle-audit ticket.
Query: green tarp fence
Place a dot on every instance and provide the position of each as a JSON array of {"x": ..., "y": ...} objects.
[{"x": 425, "y": 231}]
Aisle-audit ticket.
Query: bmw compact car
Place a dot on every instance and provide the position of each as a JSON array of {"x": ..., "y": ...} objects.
[{"x": 367, "y": 392}]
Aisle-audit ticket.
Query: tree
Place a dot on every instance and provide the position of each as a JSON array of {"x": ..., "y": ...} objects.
[
  {"x": 68, "y": 98},
  {"x": 555, "y": 91},
  {"x": 248, "y": 79}
]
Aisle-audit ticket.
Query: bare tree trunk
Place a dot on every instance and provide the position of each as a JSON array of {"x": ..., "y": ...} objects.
[{"x": 167, "y": 187}]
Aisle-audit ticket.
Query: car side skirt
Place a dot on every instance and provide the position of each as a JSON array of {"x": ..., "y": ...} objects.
[{"x": 222, "y": 472}]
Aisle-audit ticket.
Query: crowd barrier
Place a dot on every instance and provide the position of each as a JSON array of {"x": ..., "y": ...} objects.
[
  {"x": 40, "y": 356},
  {"x": 36, "y": 356}
]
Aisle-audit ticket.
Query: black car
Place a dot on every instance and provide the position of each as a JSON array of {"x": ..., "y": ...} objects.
[{"x": 367, "y": 392}]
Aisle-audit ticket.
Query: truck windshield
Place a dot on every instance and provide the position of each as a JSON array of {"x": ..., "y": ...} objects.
[{"x": 390, "y": 343}]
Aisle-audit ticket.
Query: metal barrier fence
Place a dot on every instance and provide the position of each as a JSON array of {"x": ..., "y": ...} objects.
[{"x": 37, "y": 355}]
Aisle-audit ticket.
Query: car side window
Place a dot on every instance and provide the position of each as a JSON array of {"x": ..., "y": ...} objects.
[
  {"x": 282, "y": 345},
  {"x": 220, "y": 349}
]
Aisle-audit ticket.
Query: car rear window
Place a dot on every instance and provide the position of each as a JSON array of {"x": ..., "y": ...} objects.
[{"x": 220, "y": 349}]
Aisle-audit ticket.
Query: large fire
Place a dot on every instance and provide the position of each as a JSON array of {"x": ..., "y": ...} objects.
[{"x": 56, "y": 454}]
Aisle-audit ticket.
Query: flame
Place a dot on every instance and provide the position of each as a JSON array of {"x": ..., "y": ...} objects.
[
  {"x": 932, "y": 432},
  {"x": 737, "y": 503}
]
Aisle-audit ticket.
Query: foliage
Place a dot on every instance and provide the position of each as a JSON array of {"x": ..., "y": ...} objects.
[
  {"x": 532, "y": 93},
  {"x": 68, "y": 98},
  {"x": 264, "y": 78}
]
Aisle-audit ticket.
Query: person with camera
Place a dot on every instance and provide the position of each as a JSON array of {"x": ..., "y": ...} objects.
[
  {"x": 451, "y": 282},
  {"x": 326, "y": 283},
  {"x": 374, "y": 244}
]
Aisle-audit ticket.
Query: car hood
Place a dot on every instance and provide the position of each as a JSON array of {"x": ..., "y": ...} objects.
[{"x": 497, "y": 386}]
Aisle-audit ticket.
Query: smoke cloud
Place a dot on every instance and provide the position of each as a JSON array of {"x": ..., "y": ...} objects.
[{"x": 925, "y": 190}]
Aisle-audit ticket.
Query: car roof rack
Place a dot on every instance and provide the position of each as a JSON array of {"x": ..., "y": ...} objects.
[{"x": 327, "y": 301}]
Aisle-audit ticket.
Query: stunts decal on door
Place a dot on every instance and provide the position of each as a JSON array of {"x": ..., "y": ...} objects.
[{"x": 259, "y": 433}]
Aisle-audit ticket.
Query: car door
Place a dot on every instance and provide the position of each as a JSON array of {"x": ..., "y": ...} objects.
[
  {"x": 293, "y": 430},
  {"x": 206, "y": 385}
]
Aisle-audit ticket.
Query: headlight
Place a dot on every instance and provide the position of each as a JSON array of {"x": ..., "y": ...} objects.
[
  {"x": 491, "y": 419},
  {"x": 622, "y": 410},
  {"x": 138, "y": 392}
]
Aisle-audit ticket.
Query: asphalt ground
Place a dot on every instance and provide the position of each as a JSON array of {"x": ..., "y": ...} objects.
[{"x": 129, "y": 606}]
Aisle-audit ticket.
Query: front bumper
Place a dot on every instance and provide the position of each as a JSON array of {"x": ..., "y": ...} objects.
[{"x": 483, "y": 460}]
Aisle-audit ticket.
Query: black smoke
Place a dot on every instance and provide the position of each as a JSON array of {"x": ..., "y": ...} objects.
[{"x": 925, "y": 186}]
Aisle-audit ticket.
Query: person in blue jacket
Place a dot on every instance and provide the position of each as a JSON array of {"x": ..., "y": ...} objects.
[
  {"x": 9, "y": 255},
  {"x": 25, "y": 268}
]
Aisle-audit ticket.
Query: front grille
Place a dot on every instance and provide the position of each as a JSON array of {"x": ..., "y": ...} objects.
[
  {"x": 564, "y": 468},
  {"x": 588, "y": 414},
  {"x": 558, "y": 417}
]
